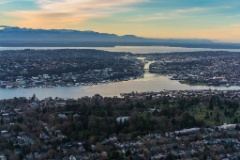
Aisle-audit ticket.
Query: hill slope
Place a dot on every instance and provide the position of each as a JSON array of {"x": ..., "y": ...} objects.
[{"x": 15, "y": 36}]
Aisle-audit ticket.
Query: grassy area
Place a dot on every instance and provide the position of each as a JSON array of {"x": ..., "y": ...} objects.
[{"x": 201, "y": 111}]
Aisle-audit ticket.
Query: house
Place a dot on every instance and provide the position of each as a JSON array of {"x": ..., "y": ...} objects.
[
  {"x": 227, "y": 126},
  {"x": 72, "y": 158},
  {"x": 122, "y": 119},
  {"x": 62, "y": 116},
  {"x": 2, "y": 157},
  {"x": 5, "y": 134},
  {"x": 46, "y": 76},
  {"x": 34, "y": 105},
  {"x": 188, "y": 131}
]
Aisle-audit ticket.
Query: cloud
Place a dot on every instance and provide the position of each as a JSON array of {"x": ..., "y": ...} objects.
[
  {"x": 191, "y": 10},
  {"x": 5, "y": 1},
  {"x": 63, "y": 13},
  {"x": 12, "y": 1},
  {"x": 180, "y": 13},
  {"x": 154, "y": 17},
  {"x": 234, "y": 16},
  {"x": 36, "y": 19}
]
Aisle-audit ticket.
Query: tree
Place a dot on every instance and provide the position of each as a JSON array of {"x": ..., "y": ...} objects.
[
  {"x": 165, "y": 101},
  {"x": 210, "y": 104},
  {"x": 169, "y": 157},
  {"x": 207, "y": 116},
  {"x": 115, "y": 155},
  {"x": 235, "y": 120},
  {"x": 188, "y": 121},
  {"x": 1, "y": 121},
  {"x": 218, "y": 117},
  {"x": 128, "y": 153},
  {"x": 237, "y": 127},
  {"x": 33, "y": 97}
]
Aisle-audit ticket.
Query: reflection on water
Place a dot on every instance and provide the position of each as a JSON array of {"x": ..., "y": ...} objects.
[
  {"x": 132, "y": 49},
  {"x": 148, "y": 75},
  {"x": 149, "y": 82}
]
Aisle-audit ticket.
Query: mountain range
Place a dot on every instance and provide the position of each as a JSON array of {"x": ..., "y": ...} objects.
[{"x": 27, "y": 37}]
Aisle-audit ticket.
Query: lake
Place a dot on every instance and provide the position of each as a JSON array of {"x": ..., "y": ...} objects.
[
  {"x": 132, "y": 49},
  {"x": 150, "y": 82}
]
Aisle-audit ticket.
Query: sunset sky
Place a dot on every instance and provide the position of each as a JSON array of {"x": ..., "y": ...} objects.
[{"x": 211, "y": 19}]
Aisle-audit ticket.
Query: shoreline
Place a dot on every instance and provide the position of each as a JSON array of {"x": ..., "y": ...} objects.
[{"x": 76, "y": 85}]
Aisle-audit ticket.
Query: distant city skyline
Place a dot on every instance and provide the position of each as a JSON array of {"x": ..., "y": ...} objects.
[{"x": 205, "y": 19}]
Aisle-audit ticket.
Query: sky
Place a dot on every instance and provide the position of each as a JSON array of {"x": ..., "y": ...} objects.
[{"x": 205, "y": 19}]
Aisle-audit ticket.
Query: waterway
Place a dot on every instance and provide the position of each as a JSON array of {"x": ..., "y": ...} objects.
[
  {"x": 149, "y": 82},
  {"x": 132, "y": 49}
]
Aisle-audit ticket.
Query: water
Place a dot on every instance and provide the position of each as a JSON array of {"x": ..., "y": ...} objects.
[
  {"x": 150, "y": 82},
  {"x": 132, "y": 49}
]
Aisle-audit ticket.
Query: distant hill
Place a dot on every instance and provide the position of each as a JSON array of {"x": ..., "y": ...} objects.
[{"x": 25, "y": 37}]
